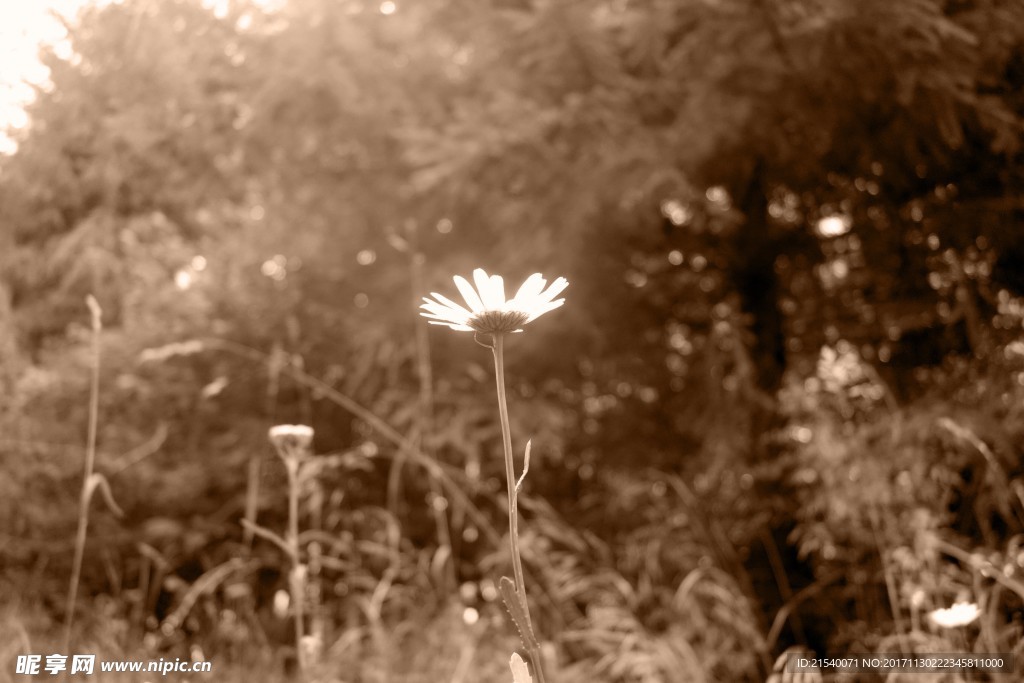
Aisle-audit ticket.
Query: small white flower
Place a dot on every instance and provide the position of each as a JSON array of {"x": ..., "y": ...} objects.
[
  {"x": 289, "y": 438},
  {"x": 488, "y": 310},
  {"x": 960, "y": 614}
]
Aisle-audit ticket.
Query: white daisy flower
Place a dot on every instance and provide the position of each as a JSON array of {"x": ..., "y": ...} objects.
[
  {"x": 290, "y": 438},
  {"x": 960, "y": 614},
  {"x": 488, "y": 310}
]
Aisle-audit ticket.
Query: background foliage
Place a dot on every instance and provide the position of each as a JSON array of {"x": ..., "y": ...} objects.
[{"x": 782, "y": 405}]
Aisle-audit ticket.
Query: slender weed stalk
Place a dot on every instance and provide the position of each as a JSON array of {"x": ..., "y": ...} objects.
[
  {"x": 91, "y": 480},
  {"x": 293, "y": 444},
  {"x": 424, "y": 420},
  {"x": 275, "y": 361},
  {"x": 297, "y": 577}
]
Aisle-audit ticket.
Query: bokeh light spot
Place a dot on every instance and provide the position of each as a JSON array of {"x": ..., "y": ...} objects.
[{"x": 834, "y": 226}]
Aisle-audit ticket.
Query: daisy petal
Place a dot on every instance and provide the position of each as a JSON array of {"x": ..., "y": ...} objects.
[
  {"x": 555, "y": 289},
  {"x": 533, "y": 286},
  {"x": 469, "y": 294},
  {"x": 460, "y": 328},
  {"x": 447, "y": 311},
  {"x": 485, "y": 285},
  {"x": 435, "y": 309},
  {"x": 445, "y": 318},
  {"x": 545, "y": 308},
  {"x": 448, "y": 302},
  {"x": 498, "y": 291}
]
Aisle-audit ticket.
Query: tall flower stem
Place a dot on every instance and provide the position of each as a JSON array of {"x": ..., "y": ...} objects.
[
  {"x": 498, "y": 348},
  {"x": 510, "y": 474}
]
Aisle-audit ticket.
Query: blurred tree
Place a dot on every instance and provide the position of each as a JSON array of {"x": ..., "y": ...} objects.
[{"x": 788, "y": 111}]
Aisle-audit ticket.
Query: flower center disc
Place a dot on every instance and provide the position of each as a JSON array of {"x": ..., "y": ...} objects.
[{"x": 495, "y": 322}]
